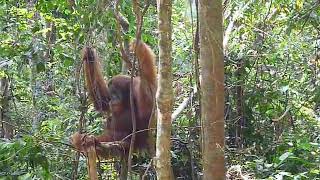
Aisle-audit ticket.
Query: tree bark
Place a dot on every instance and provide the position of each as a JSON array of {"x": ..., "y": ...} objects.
[
  {"x": 212, "y": 87},
  {"x": 240, "y": 120},
  {"x": 91, "y": 163},
  {"x": 7, "y": 129},
  {"x": 165, "y": 93}
]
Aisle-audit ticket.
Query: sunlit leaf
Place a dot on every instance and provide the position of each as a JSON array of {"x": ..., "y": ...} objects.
[
  {"x": 284, "y": 89},
  {"x": 285, "y": 156}
]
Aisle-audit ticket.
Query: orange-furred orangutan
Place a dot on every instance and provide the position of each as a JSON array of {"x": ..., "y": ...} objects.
[{"x": 115, "y": 98}]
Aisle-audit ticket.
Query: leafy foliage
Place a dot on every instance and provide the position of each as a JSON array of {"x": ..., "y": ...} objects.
[{"x": 272, "y": 85}]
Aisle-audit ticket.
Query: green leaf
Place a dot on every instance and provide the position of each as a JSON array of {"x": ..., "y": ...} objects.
[
  {"x": 68, "y": 62},
  {"x": 315, "y": 171},
  {"x": 41, "y": 67},
  {"x": 36, "y": 28},
  {"x": 305, "y": 146},
  {"x": 285, "y": 156},
  {"x": 2, "y": 74}
]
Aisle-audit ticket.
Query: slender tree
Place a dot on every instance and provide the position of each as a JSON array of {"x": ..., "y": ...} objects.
[
  {"x": 7, "y": 129},
  {"x": 165, "y": 93},
  {"x": 212, "y": 87}
]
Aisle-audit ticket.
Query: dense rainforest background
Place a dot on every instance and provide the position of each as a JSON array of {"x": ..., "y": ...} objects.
[{"x": 272, "y": 86}]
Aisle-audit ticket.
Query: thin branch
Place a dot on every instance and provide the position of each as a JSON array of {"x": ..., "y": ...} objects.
[
  {"x": 184, "y": 104},
  {"x": 82, "y": 98},
  {"x": 136, "y": 132},
  {"x": 235, "y": 17},
  {"x": 124, "y": 24},
  {"x": 139, "y": 17},
  {"x": 282, "y": 116},
  {"x": 147, "y": 169}
]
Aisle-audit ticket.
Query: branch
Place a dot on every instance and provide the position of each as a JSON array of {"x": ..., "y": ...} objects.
[
  {"x": 147, "y": 169},
  {"x": 282, "y": 116},
  {"x": 236, "y": 16},
  {"x": 184, "y": 104},
  {"x": 122, "y": 23},
  {"x": 136, "y": 132},
  {"x": 91, "y": 161},
  {"x": 139, "y": 17},
  {"x": 83, "y": 143},
  {"x": 112, "y": 149}
]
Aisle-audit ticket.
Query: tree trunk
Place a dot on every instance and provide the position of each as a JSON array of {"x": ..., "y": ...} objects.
[
  {"x": 7, "y": 129},
  {"x": 240, "y": 120},
  {"x": 33, "y": 75},
  {"x": 165, "y": 93},
  {"x": 91, "y": 163},
  {"x": 212, "y": 87}
]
